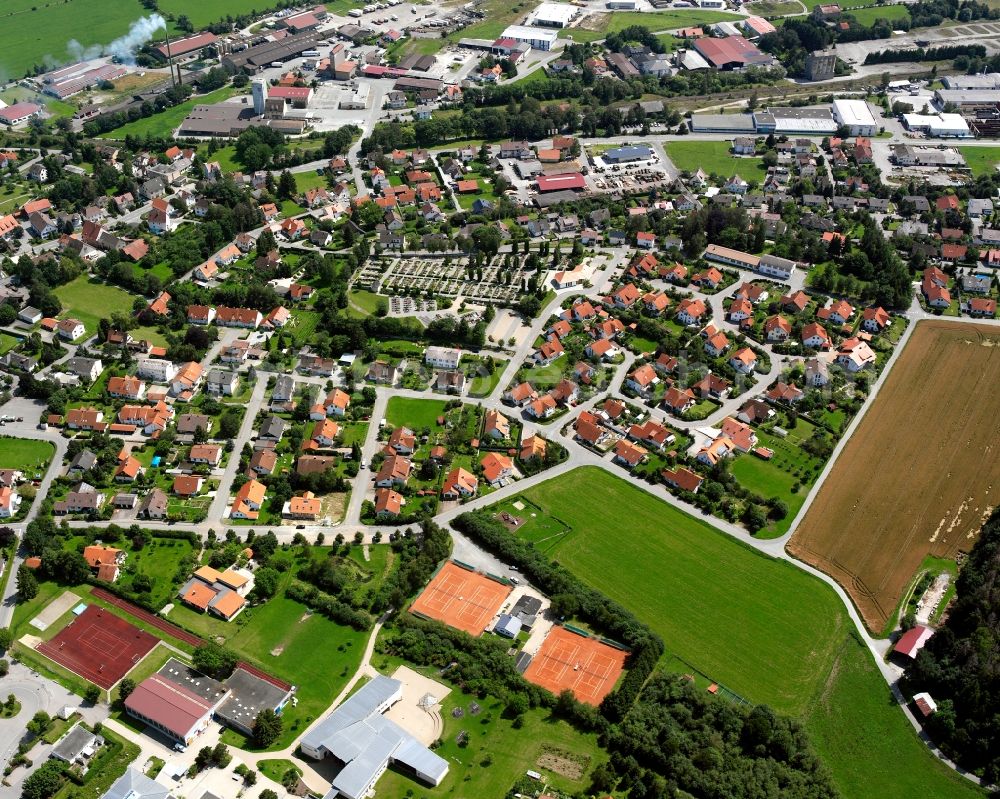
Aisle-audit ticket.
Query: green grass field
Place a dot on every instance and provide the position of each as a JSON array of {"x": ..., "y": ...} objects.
[
  {"x": 163, "y": 124},
  {"x": 24, "y": 454},
  {"x": 90, "y": 301},
  {"x": 414, "y": 413},
  {"x": 655, "y": 21},
  {"x": 761, "y": 627},
  {"x": 981, "y": 160},
  {"x": 867, "y": 16},
  {"x": 363, "y": 303},
  {"x": 745, "y": 620},
  {"x": 202, "y": 12},
  {"x": 36, "y": 32},
  {"x": 8, "y": 342},
  {"x": 305, "y": 649},
  {"x": 865, "y": 741},
  {"x": 713, "y": 157},
  {"x": 310, "y": 180}
]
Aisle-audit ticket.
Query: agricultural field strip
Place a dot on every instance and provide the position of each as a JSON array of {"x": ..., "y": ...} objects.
[{"x": 951, "y": 423}]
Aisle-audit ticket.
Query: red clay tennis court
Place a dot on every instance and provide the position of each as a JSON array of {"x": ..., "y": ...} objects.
[
  {"x": 586, "y": 666},
  {"x": 463, "y": 599},
  {"x": 99, "y": 646}
]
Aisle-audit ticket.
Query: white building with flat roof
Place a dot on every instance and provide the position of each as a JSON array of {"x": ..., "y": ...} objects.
[
  {"x": 366, "y": 742},
  {"x": 856, "y": 115},
  {"x": 940, "y": 125},
  {"x": 552, "y": 15},
  {"x": 536, "y": 38}
]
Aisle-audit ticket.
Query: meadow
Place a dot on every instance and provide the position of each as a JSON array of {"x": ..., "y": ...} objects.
[
  {"x": 743, "y": 619},
  {"x": 761, "y": 627},
  {"x": 981, "y": 160},
  {"x": 203, "y": 12},
  {"x": 714, "y": 158},
  {"x": 414, "y": 413},
  {"x": 90, "y": 301},
  {"x": 866, "y": 742},
  {"x": 24, "y": 454},
  {"x": 34, "y": 33},
  {"x": 867, "y": 16},
  {"x": 598, "y": 26},
  {"x": 163, "y": 124}
]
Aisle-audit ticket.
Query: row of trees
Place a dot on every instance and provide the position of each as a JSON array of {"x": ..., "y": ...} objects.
[{"x": 958, "y": 666}]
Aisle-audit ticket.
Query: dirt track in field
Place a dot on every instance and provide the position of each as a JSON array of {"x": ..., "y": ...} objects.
[{"x": 920, "y": 474}]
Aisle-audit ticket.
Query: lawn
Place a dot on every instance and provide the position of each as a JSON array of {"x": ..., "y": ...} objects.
[
  {"x": 276, "y": 769},
  {"x": 203, "y": 12},
  {"x": 981, "y": 160},
  {"x": 365, "y": 303},
  {"x": 867, "y": 744},
  {"x": 654, "y": 21},
  {"x": 761, "y": 627},
  {"x": 310, "y": 180},
  {"x": 767, "y": 479},
  {"x": 25, "y": 454},
  {"x": 8, "y": 342},
  {"x": 282, "y": 636},
  {"x": 496, "y": 753},
  {"x": 414, "y": 413},
  {"x": 39, "y": 33},
  {"x": 14, "y": 196},
  {"x": 745, "y": 620},
  {"x": 90, "y": 301},
  {"x": 714, "y": 158},
  {"x": 150, "y": 334},
  {"x": 162, "y": 125},
  {"x": 867, "y": 16}
]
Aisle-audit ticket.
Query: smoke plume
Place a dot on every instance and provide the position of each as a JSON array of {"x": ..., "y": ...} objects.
[{"x": 124, "y": 47}]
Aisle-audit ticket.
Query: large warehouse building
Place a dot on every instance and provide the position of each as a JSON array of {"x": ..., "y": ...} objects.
[
  {"x": 552, "y": 15},
  {"x": 731, "y": 52},
  {"x": 537, "y": 38},
  {"x": 856, "y": 116}
]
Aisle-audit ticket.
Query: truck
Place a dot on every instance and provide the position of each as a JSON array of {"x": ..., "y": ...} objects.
[{"x": 355, "y": 12}]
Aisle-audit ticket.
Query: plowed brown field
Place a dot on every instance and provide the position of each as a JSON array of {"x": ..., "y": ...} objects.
[{"x": 920, "y": 474}]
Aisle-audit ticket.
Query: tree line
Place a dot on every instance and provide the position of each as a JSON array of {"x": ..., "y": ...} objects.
[{"x": 959, "y": 665}]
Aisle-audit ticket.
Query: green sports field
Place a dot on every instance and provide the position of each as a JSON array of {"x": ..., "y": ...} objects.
[
  {"x": 714, "y": 158},
  {"x": 90, "y": 301},
  {"x": 763, "y": 628},
  {"x": 746, "y": 621}
]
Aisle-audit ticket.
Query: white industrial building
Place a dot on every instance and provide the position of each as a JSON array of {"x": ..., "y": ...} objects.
[
  {"x": 366, "y": 742},
  {"x": 856, "y": 116},
  {"x": 552, "y": 15},
  {"x": 536, "y": 38},
  {"x": 940, "y": 125},
  {"x": 359, "y": 99}
]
